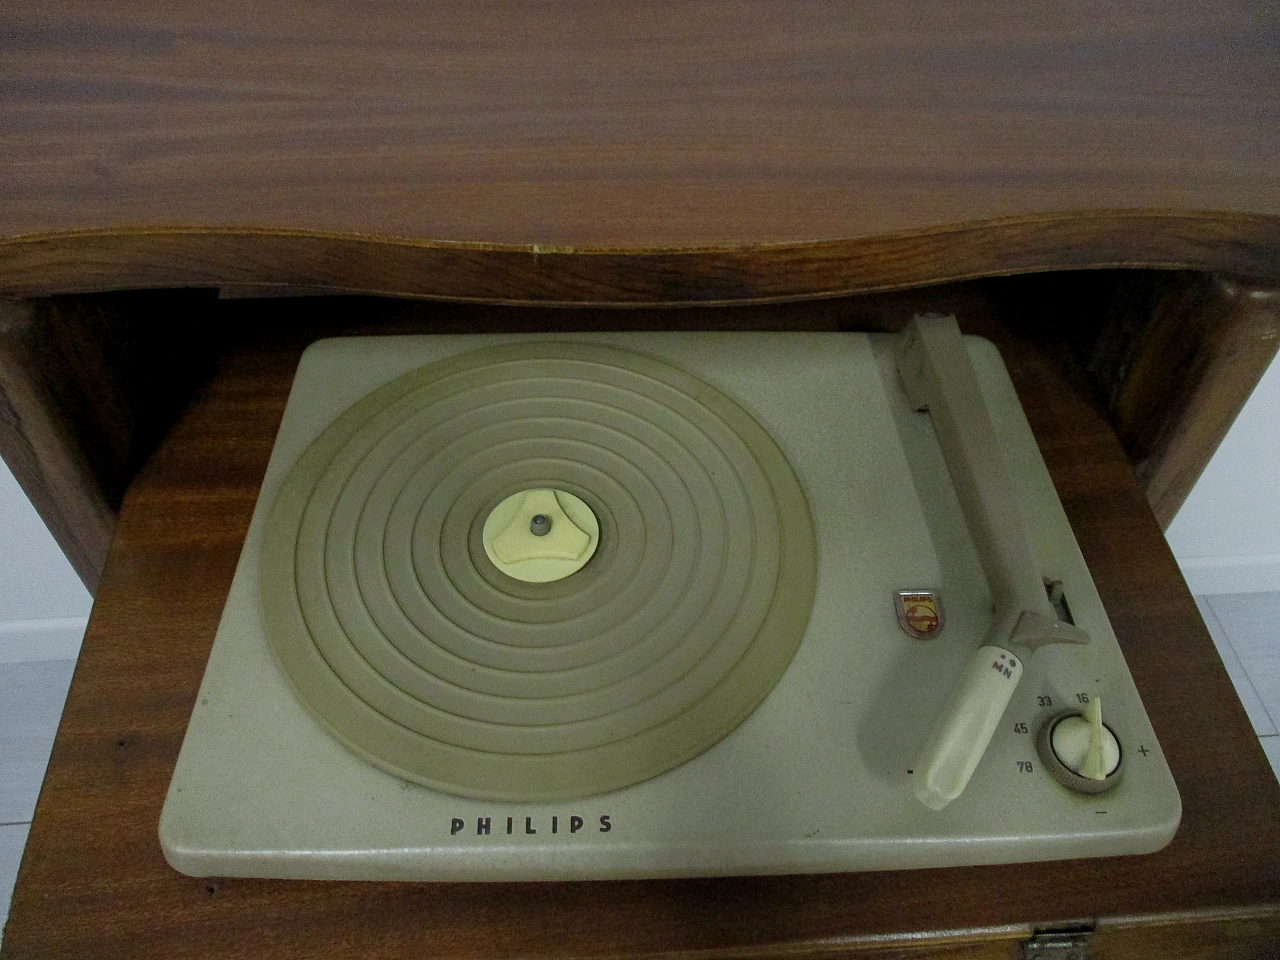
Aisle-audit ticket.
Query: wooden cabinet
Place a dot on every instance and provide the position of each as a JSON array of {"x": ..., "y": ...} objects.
[{"x": 530, "y": 166}]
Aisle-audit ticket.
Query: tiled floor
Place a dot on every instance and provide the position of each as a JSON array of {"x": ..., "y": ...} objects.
[
  {"x": 31, "y": 698},
  {"x": 1245, "y": 627}
]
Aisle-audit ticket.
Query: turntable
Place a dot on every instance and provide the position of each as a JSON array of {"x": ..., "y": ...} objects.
[{"x": 652, "y": 605}]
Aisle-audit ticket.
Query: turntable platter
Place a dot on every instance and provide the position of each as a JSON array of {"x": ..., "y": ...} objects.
[{"x": 403, "y": 638}]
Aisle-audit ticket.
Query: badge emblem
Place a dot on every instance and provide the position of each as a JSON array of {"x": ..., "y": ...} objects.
[{"x": 920, "y": 612}]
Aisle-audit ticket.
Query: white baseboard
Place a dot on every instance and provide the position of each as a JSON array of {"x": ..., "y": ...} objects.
[
  {"x": 1206, "y": 576},
  {"x": 23, "y": 640}
]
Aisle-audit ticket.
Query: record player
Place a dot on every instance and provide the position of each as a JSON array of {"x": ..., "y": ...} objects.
[{"x": 607, "y": 605}]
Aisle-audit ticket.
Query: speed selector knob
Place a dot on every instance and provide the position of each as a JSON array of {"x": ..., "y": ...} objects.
[{"x": 1080, "y": 750}]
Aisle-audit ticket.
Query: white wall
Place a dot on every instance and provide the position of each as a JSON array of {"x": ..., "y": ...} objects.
[
  {"x": 43, "y": 604},
  {"x": 1227, "y": 535}
]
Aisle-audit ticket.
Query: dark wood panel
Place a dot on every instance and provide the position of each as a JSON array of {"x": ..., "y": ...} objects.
[
  {"x": 1208, "y": 343},
  {"x": 1177, "y": 355},
  {"x": 87, "y": 387},
  {"x": 1096, "y": 133},
  {"x": 45, "y": 451},
  {"x": 94, "y": 882}
]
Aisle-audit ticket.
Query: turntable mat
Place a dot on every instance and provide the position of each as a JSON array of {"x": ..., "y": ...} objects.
[{"x": 405, "y": 641}]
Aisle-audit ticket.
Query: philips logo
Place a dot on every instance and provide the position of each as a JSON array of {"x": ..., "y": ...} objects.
[{"x": 527, "y": 826}]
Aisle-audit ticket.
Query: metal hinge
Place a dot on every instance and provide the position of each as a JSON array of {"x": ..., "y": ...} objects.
[{"x": 1070, "y": 944}]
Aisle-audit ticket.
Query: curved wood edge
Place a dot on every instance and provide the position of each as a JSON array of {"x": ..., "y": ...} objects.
[{"x": 1244, "y": 245}]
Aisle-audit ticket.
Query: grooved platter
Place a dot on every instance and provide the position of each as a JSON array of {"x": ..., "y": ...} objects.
[{"x": 414, "y": 650}]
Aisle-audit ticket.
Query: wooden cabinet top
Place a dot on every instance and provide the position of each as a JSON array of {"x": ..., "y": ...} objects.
[{"x": 440, "y": 148}]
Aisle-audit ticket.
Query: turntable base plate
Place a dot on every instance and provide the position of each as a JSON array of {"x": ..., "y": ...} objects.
[{"x": 818, "y": 777}]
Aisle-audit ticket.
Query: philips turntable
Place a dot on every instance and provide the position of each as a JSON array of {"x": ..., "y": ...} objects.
[{"x": 651, "y": 605}]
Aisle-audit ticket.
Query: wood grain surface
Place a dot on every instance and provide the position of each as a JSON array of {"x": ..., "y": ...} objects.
[
  {"x": 93, "y": 882},
  {"x": 357, "y": 146}
]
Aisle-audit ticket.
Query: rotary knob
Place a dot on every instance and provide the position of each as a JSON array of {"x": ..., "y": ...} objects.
[{"x": 1081, "y": 751}]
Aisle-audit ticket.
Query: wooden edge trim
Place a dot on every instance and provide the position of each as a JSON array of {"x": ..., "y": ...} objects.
[
  {"x": 78, "y": 262},
  {"x": 968, "y": 943},
  {"x": 1241, "y": 932},
  {"x": 1200, "y": 934}
]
